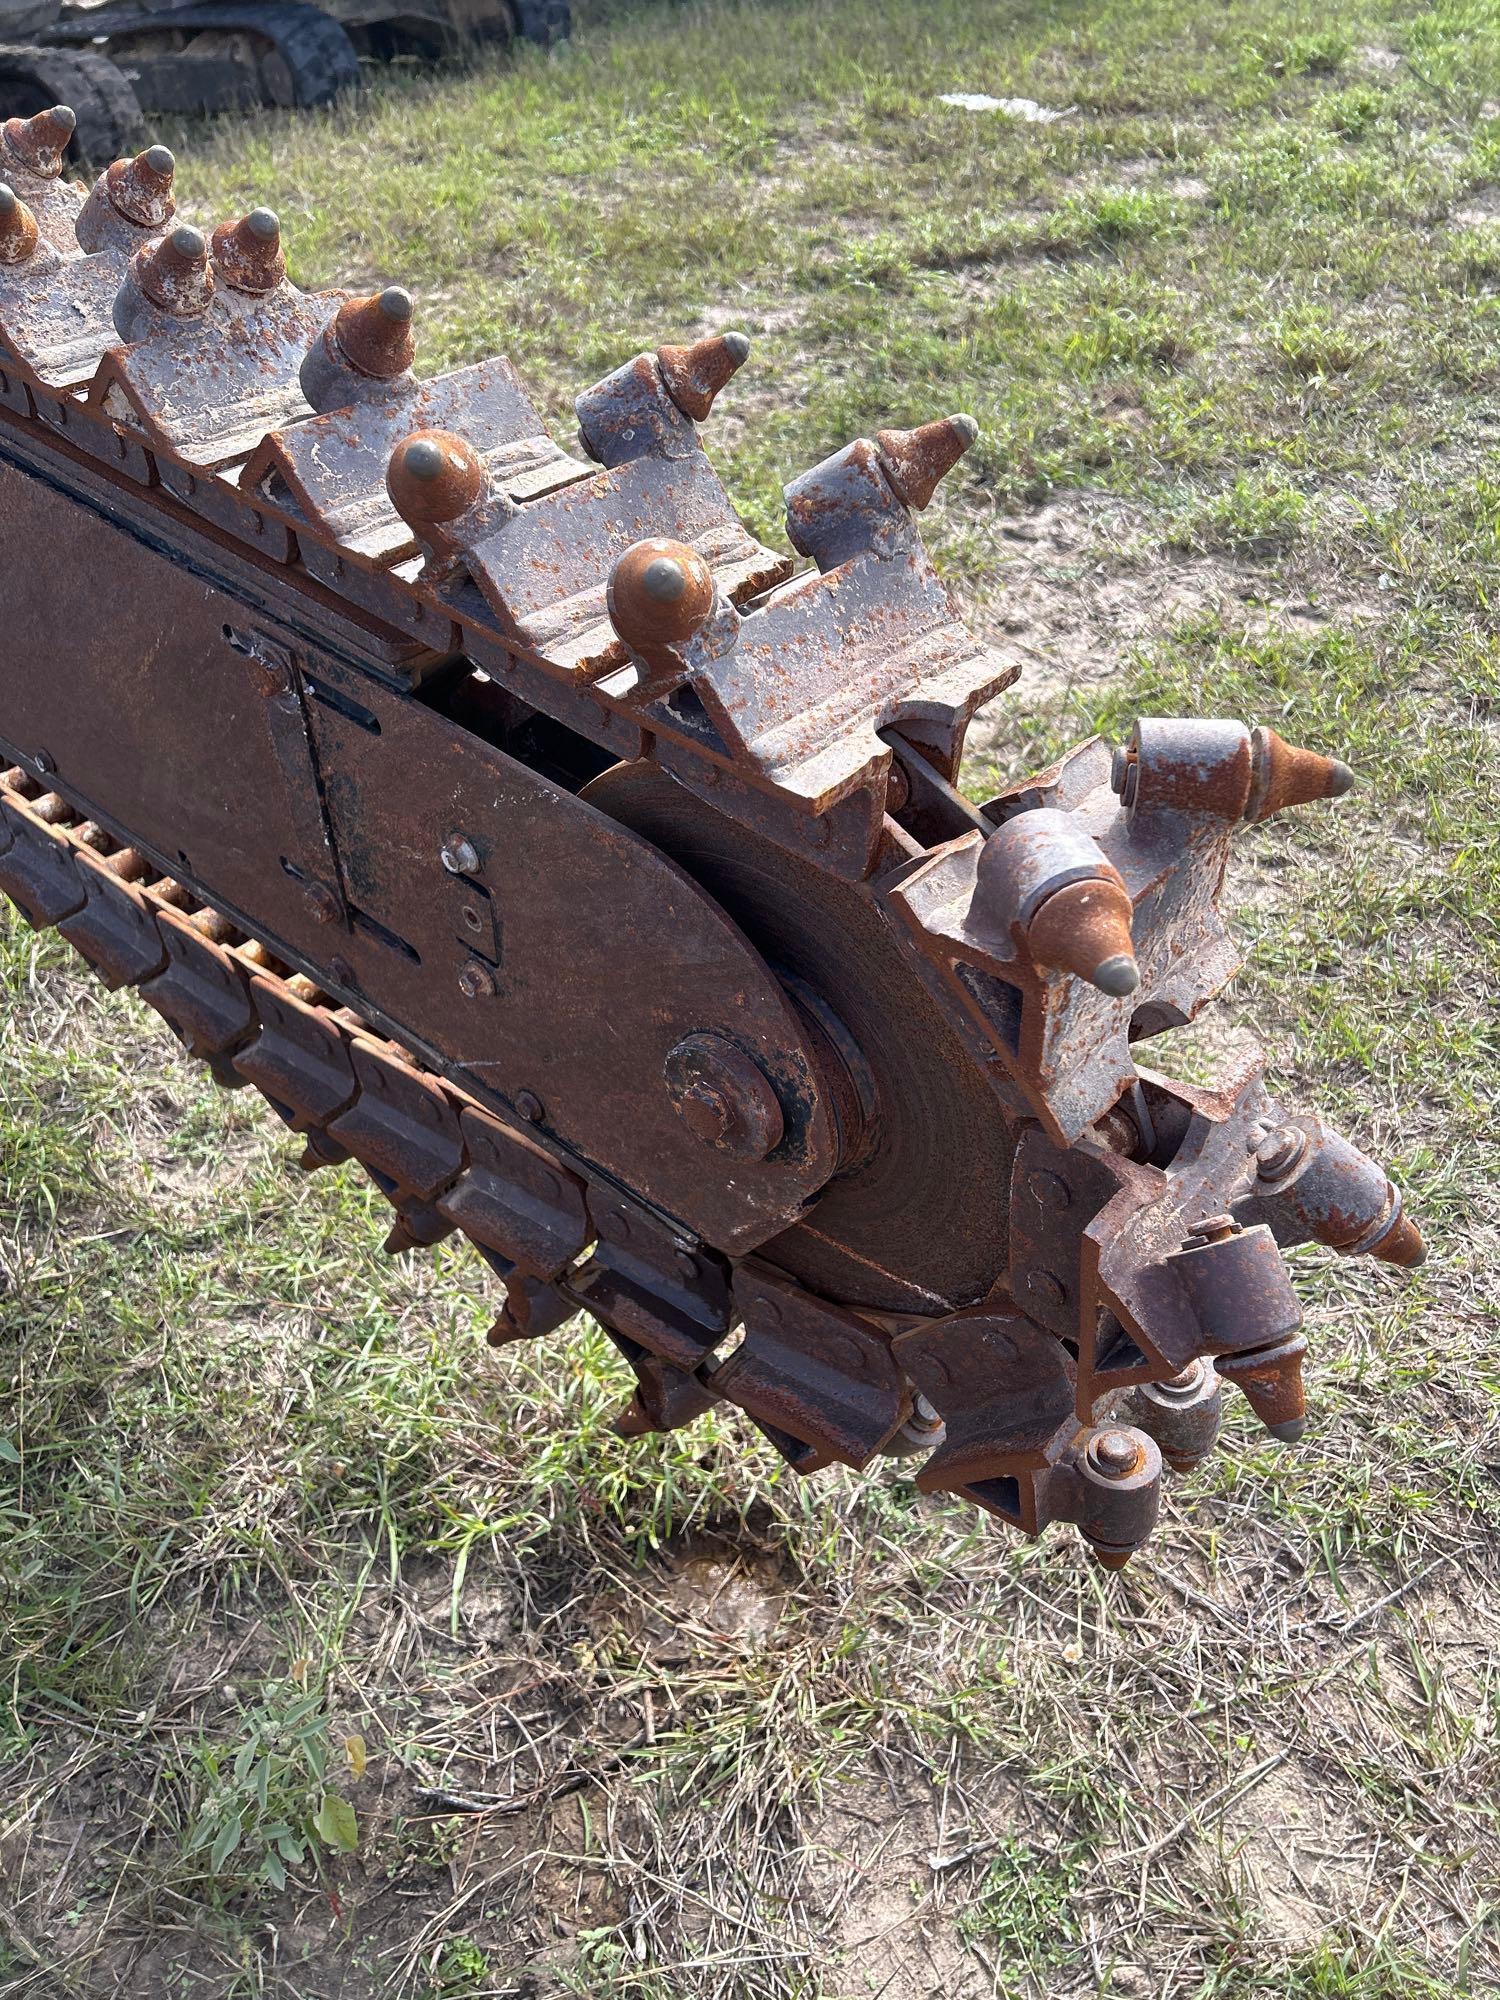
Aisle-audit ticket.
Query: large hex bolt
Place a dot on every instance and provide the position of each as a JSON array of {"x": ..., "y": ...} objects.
[
  {"x": 1241, "y": 1292},
  {"x": 1183, "y": 1414},
  {"x": 724, "y": 1097},
  {"x": 1119, "y": 1469}
]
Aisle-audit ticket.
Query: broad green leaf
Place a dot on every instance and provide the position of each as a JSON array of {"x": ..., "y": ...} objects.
[
  {"x": 228, "y": 1840},
  {"x": 336, "y": 1825}
]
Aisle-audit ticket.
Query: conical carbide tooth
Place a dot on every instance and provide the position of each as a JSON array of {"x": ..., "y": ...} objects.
[
  {"x": 373, "y": 334},
  {"x": 1401, "y": 1244},
  {"x": 18, "y": 230},
  {"x": 434, "y": 478},
  {"x": 915, "y": 462},
  {"x": 321, "y": 1151},
  {"x": 695, "y": 374},
  {"x": 247, "y": 254},
  {"x": 659, "y": 594},
  {"x": 633, "y": 1420},
  {"x": 1282, "y": 776},
  {"x": 174, "y": 274},
  {"x": 141, "y": 189},
  {"x": 1271, "y": 1378},
  {"x": 40, "y": 143},
  {"x": 1085, "y": 929}
]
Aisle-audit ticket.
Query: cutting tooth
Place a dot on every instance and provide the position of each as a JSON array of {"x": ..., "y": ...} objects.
[
  {"x": 1283, "y": 776},
  {"x": 41, "y": 143},
  {"x": 417, "y": 1226},
  {"x": 1271, "y": 1378},
  {"x": 434, "y": 478},
  {"x": 1085, "y": 929},
  {"x": 660, "y": 593},
  {"x": 141, "y": 189},
  {"x": 633, "y": 1420},
  {"x": 916, "y": 461},
  {"x": 247, "y": 254},
  {"x": 373, "y": 334},
  {"x": 174, "y": 274},
  {"x": 18, "y": 230},
  {"x": 1401, "y": 1244},
  {"x": 695, "y": 374},
  {"x": 321, "y": 1151}
]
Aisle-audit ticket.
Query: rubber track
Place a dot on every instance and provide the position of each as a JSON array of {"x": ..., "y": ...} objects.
[
  {"x": 542, "y": 21},
  {"x": 109, "y": 117},
  {"x": 317, "y": 52}
]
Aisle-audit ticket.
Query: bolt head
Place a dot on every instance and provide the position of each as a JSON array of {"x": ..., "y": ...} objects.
[
  {"x": 476, "y": 981},
  {"x": 322, "y": 904},
  {"x": 706, "y": 1113},
  {"x": 1115, "y": 1454},
  {"x": 459, "y": 855},
  {"x": 1279, "y": 1150},
  {"x": 723, "y": 1097},
  {"x": 1212, "y": 1229}
]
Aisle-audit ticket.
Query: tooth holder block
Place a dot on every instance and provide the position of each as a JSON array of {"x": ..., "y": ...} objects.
[{"x": 319, "y": 783}]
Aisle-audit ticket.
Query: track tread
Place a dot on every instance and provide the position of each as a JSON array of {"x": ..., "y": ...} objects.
[
  {"x": 545, "y": 22},
  {"x": 314, "y": 46},
  {"x": 110, "y": 122}
]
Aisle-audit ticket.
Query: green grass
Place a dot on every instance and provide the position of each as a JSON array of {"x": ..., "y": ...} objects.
[{"x": 1230, "y": 330}]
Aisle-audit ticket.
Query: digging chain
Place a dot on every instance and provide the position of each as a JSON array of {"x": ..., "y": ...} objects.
[{"x": 440, "y": 616}]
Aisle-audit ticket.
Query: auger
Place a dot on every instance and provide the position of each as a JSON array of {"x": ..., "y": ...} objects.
[{"x": 526, "y": 831}]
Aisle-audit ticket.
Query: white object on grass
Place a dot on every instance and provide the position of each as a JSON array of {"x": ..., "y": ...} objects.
[{"x": 1026, "y": 108}]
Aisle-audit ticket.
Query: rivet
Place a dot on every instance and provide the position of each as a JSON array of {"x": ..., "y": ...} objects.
[
  {"x": 1047, "y": 1285},
  {"x": 529, "y": 1105},
  {"x": 1051, "y": 1190}
]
